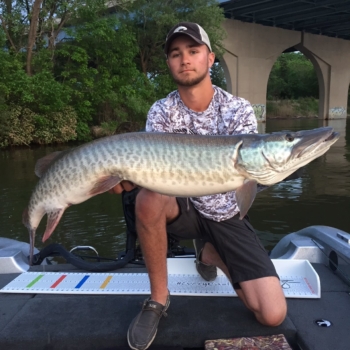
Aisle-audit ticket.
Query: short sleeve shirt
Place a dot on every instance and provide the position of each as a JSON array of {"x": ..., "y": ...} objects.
[{"x": 225, "y": 115}]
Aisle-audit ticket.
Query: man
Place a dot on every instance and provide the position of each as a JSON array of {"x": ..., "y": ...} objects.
[{"x": 228, "y": 243}]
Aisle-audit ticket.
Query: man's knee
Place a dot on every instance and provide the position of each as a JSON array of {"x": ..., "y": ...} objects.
[
  {"x": 273, "y": 317},
  {"x": 264, "y": 296}
]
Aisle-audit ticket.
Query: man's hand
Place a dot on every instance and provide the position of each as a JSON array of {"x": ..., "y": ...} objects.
[{"x": 122, "y": 186}]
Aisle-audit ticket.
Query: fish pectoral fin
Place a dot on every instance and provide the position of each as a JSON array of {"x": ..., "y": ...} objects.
[
  {"x": 44, "y": 163},
  {"x": 105, "y": 184},
  {"x": 245, "y": 196},
  {"x": 53, "y": 218}
]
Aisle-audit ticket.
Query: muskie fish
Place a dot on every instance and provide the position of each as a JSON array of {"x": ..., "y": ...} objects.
[{"x": 171, "y": 164}]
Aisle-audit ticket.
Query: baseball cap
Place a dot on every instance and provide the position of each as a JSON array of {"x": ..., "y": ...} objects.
[{"x": 193, "y": 30}]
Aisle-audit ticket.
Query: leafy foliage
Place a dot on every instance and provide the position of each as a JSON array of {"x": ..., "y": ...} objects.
[
  {"x": 303, "y": 106},
  {"x": 292, "y": 76},
  {"x": 150, "y": 20},
  {"x": 56, "y": 127},
  {"x": 88, "y": 65},
  {"x": 217, "y": 75},
  {"x": 293, "y": 87},
  {"x": 17, "y": 126},
  {"x": 21, "y": 126},
  {"x": 69, "y": 65}
]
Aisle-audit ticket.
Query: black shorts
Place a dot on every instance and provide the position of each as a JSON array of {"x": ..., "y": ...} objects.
[{"x": 235, "y": 241}]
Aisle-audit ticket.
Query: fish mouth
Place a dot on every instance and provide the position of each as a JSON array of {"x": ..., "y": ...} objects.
[
  {"x": 311, "y": 145},
  {"x": 315, "y": 142},
  {"x": 332, "y": 136}
]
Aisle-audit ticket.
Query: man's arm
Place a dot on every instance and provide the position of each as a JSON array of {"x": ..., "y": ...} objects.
[{"x": 156, "y": 118}]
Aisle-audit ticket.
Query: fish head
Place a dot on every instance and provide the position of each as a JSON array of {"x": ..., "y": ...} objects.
[{"x": 270, "y": 158}]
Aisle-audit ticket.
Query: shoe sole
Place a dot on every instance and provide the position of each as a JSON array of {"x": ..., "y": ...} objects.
[
  {"x": 147, "y": 346},
  {"x": 151, "y": 341}
]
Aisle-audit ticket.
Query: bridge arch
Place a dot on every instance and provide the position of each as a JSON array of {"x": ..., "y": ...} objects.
[
  {"x": 322, "y": 71},
  {"x": 252, "y": 49}
]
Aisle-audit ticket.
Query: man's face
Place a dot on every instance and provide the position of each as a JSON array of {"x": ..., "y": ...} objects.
[{"x": 188, "y": 61}]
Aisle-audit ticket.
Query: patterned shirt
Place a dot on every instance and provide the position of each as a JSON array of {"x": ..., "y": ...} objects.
[{"x": 225, "y": 115}]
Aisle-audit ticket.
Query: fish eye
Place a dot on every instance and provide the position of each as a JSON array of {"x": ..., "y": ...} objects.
[{"x": 289, "y": 137}]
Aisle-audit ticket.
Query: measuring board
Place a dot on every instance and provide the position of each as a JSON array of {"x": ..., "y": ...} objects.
[{"x": 298, "y": 280}]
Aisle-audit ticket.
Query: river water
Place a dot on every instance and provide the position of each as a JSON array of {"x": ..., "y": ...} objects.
[{"x": 320, "y": 197}]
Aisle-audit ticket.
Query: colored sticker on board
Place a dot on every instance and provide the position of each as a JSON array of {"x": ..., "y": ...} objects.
[
  {"x": 105, "y": 282},
  {"x": 58, "y": 281},
  {"x": 83, "y": 280},
  {"x": 31, "y": 284}
]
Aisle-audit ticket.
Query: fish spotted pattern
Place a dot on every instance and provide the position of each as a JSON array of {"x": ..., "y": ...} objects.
[{"x": 171, "y": 164}]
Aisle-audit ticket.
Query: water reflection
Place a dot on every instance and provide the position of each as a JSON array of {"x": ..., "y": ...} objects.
[
  {"x": 291, "y": 189},
  {"x": 319, "y": 197},
  {"x": 97, "y": 222}
]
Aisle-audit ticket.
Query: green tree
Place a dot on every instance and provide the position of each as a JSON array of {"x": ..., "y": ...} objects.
[
  {"x": 150, "y": 21},
  {"x": 292, "y": 76},
  {"x": 30, "y": 25},
  {"x": 217, "y": 75},
  {"x": 73, "y": 64},
  {"x": 98, "y": 69},
  {"x": 46, "y": 74}
]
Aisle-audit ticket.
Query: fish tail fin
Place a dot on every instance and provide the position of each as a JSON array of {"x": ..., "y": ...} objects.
[
  {"x": 31, "y": 230},
  {"x": 25, "y": 217},
  {"x": 31, "y": 246},
  {"x": 53, "y": 218}
]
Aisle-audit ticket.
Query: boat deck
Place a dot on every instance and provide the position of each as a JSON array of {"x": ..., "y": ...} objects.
[{"x": 44, "y": 321}]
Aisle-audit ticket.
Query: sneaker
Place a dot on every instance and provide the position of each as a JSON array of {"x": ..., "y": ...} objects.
[
  {"x": 208, "y": 272},
  {"x": 143, "y": 328}
]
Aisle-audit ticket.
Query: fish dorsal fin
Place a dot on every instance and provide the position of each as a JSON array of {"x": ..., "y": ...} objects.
[
  {"x": 245, "y": 196},
  {"x": 105, "y": 184},
  {"x": 53, "y": 218},
  {"x": 44, "y": 163}
]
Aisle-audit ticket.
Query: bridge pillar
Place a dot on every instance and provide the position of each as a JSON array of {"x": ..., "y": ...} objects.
[
  {"x": 332, "y": 56},
  {"x": 251, "y": 51}
]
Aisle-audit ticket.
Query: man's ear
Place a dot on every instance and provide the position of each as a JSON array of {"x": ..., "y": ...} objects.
[
  {"x": 167, "y": 62},
  {"x": 211, "y": 58}
]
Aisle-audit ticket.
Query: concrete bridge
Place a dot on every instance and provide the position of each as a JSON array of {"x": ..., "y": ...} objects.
[{"x": 260, "y": 31}]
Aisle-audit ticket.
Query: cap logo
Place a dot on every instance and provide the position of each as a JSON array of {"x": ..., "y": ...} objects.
[{"x": 180, "y": 29}]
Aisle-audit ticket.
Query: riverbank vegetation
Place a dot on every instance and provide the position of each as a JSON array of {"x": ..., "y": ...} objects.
[
  {"x": 66, "y": 66},
  {"x": 80, "y": 69},
  {"x": 303, "y": 107},
  {"x": 292, "y": 89}
]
